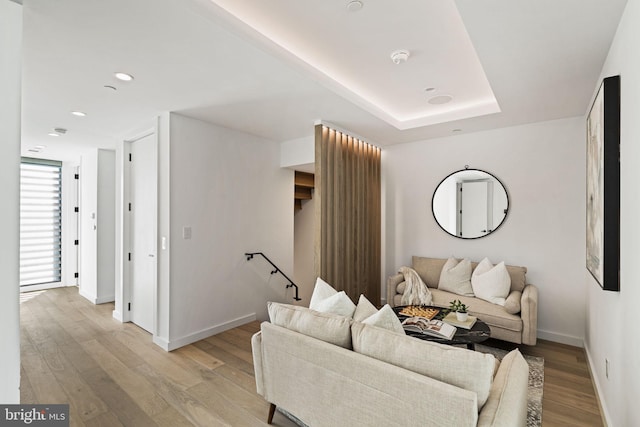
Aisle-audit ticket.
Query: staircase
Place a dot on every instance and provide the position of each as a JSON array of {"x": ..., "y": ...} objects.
[{"x": 303, "y": 189}]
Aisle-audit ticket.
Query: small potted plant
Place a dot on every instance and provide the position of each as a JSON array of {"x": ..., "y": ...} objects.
[{"x": 460, "y": 309}]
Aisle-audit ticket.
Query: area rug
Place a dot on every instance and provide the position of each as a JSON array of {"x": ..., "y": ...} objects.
[{"x": 534, "y": 392}]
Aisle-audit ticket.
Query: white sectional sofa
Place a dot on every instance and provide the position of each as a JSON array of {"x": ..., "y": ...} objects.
[{"x": 328, "y": 370}]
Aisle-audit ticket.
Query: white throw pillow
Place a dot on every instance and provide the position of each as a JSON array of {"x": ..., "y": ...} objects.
[
  {"x": 326, "y": 299},
  {"x": 339, "y": 303},
  {"x": 364, "y": 309},
  {"x": 321, "y": 291},
  {"x": 491, "y": 283},
  {"x": 385, "y": 318},
  {"x": 455, "y": 277}
]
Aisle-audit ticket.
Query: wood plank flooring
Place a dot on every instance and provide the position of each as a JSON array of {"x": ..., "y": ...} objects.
[{"x": 111, "y": 374}]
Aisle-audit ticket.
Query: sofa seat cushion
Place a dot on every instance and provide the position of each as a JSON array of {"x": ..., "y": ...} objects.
[
  {"x": 328, "y": 327},
  {"x": 462, "y": 368},
  {"x": 491, "y": 314}
]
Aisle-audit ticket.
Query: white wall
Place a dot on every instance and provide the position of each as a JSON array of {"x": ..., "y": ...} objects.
[
  {"x": 10, "y": 58},
  {"x": 542, "y": 166},
  {"x": 106, "y": 226},
  {"x": 304, "y": 255},
  {"x": 297, "y": 152},
  {"x": 88, "y": 247},
  {"x": 97, "y": 226},
  {"x": 229, "y": 188},
  {"x": 612, "y": 316}
]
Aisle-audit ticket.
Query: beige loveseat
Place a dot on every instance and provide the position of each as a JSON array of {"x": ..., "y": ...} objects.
[
  {"x": 328, "y": 370},
  {"x": 516, "y": 322}
]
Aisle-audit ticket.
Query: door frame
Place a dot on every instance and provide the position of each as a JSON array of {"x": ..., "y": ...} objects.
[
  {"x": 123, "y": 295},
  {"x": 459, "y": 207}
]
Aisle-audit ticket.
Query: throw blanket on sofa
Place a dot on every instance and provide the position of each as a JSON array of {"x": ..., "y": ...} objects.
[{"x": 415, "y": 291}]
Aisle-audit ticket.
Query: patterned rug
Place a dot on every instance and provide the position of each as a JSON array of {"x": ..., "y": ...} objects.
[{"x": 534, "y": 392}]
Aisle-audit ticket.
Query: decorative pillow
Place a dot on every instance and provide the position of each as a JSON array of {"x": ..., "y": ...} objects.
[
  {"x": 326, "y": 299},
  {"x": 339, "y": 304},
  {"x": 385, "y": 318},
  {"x": 364, "y": 309},
  {"x": 491, "y": 283},
  {"x": 470, "y": 370},
  {"x": 321, "y": 291},
  {"x": 327, "y": 327},
  {"x": 456, "y": 277}
]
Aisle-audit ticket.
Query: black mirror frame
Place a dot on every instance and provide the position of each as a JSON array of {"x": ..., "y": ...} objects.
[{"x": 506, "y": 214}]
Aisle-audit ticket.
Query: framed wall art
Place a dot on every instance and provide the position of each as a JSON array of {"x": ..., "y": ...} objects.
[{"x": 603, "y": 185}]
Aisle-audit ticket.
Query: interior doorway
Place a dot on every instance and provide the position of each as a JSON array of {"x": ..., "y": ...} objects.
[
  {"x": 474, "y": 207},
  {"x": 142, "y": 230}
]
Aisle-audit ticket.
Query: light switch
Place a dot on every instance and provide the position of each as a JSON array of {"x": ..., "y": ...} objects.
[{"x": 186, "y": 233}]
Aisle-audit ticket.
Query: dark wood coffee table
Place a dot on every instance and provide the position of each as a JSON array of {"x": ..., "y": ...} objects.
[{"x": 478, "y": 333}]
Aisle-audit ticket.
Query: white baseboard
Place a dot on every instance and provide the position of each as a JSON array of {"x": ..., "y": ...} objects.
[
  {"x": 94, "y": 299},
  {"x": 561, "y": 338},
  {"x": 117, "y": 315},
  {"x": 606, "y": 419},
  {"x": 102, "y": 300},
  {"x": 173, "y": 344},
  {"x": 162, "y": 343},
  {"x": 91, "y": 298}
]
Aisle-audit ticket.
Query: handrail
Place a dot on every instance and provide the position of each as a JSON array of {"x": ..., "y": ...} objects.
[{"x": 277, "y": 270}]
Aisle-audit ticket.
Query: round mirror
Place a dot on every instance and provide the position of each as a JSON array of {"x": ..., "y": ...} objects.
[{"x": 470, "y": 203}]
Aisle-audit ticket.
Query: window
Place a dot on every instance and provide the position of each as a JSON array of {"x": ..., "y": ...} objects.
[{"x": 40, "y": 221}]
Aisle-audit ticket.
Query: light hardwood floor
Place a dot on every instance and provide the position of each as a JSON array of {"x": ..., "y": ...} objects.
[{"x": 111, "y": 374}]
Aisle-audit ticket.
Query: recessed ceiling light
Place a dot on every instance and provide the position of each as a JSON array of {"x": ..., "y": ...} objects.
[
  {"x": 61, "y": 131},
  {"x": 457, "y": 130},
  {"x": 40, "y": 147},
  {"x": 430, "y": 89},
  {"x": 78, "y": 113},
  {"x": 400, "y": 56},
  {"x": 354, "y": 6},
  {"x": 440, "y": 99},
  {"x": 110, "y": 87},
  {"x": 53, "y": 134},
  {"x": 123, "y": 76}
]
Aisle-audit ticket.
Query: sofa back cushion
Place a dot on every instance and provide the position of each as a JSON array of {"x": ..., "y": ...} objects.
[
  {"x": 328, "y": 327},
  {"x": 469, "y": 370},
  {"x": 429, "y": 270}
]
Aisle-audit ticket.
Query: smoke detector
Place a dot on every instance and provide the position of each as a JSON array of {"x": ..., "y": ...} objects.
[{"x": 400, "y": 56}]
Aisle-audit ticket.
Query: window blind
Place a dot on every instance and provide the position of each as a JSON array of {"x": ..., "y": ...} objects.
[{"x": 40, "y": 221}]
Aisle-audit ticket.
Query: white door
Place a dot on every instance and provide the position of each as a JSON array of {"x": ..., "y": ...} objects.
[
  {"x": 142, "y": 231},
  {"x": 474, "y": 209}
]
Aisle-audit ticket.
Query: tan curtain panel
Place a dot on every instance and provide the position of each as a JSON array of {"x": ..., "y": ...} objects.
[{"x": 347, "y": 193}]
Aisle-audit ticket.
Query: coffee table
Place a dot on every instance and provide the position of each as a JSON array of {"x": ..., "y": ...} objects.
[{"x": 470, "y": 337}]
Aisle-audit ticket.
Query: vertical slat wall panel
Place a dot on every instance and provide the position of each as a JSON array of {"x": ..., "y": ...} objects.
[{"x": 348, "y": 213}]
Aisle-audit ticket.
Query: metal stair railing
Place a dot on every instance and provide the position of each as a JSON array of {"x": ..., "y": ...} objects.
[{"x": 277, "y": 270}]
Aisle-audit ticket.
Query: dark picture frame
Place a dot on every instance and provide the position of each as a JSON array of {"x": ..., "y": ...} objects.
[{"x": 603, "y": 186}]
